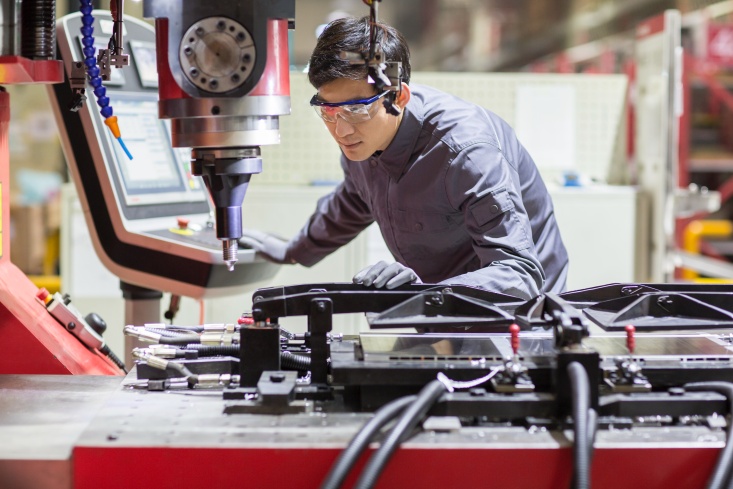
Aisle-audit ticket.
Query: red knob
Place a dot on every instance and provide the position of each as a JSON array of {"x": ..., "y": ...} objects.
[
  {"x": 245, "y": 321},
  {"x": 514, "y": 331},
  {"x": 182, "y": 223},
  {"x": 630, "y": 340},
  {"x": 42, "y": 293}
]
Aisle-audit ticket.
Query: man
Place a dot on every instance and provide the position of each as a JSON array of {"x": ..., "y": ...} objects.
[{"x": 457, "y": 198}]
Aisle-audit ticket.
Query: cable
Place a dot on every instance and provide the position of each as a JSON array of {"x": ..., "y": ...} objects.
[
  {"x": 115, "y": 359},
  {"x": 177, "y": 327},
  {"x": 291, "y": 361},
  {"x": 580, "y": 388},
  {"x": 401, "y": 431},
  {"x": 722, "y": 473},
  {"x": 180, "y": 340},
  {"x": 167, "y": 332},
  {"x": 592, "y": 429},
  {"x": 348, "y": 457},
  {"x": 182, "y": 371}
]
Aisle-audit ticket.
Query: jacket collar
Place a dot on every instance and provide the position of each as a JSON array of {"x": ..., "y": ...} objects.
[{"x": 398, "y": 154}]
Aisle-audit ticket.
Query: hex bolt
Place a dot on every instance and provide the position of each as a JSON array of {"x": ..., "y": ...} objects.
[
  {"x": 188, "y": 51},
  {"x": 221, "y": 25},
  {"x": 246, "y": 58},
  {"x": 277, "y": 378},
  {"x": 240, "y": 36},
  {"x": 213, "y": 84},
  {"x": 235, "y": 78},
  {"x": 193, "y": 72},
  {"x": 199, "y": 31}
]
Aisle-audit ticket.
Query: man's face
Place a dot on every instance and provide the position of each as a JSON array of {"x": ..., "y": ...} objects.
[{"x": 359, "y": 141}]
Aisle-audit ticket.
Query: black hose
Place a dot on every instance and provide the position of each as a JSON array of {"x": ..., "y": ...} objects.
[
  {"x": 166, "y": 332},
  {"x": 214, "y": 350},
  {"x": 291, "y": 361},
  {"x": 348, "y": 457},
  {"x": 401, "y": 431},
  {"x": 181, "y": 340},
  {"x": 183, "y": 371},
  {"x": 722, "y": 472},
  {"x": 592, "y": 428},
  {"x": 176, "y": 328},
  {"x": 580, "y": 387},
  {"x": 115, "y": 359}
]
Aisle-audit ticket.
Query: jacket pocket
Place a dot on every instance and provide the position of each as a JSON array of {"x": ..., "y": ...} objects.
[{"x": 497, "y": 221}]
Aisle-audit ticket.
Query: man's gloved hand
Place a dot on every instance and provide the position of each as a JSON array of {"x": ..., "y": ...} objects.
[
  {"x": 274, "y": 248},
  {"x": 392, "y": 275}
]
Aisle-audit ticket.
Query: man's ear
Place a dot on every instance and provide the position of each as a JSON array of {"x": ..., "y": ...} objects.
[{"x": 403, "y": 97}]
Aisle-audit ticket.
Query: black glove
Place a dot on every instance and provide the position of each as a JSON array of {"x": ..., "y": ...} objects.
[
  {"x": 392, "y": 275},
  {"x": 273, "y": 248}
]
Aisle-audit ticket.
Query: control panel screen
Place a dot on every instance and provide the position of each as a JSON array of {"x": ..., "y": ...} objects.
[
  {"x": 157, "y": 173},
  {"x": 143, "y": 53}
]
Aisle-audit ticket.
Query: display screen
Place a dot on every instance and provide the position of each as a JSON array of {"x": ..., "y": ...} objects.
[
  {"x": 144, "y": 55},
  {"x": 155, "y": 167}
]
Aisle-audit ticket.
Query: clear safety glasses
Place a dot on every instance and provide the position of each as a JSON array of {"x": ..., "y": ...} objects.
[{"x": 353, "y": 111}]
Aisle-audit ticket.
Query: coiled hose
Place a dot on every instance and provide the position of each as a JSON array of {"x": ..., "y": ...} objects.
[
  {"x": 580, "y": 388},
  {"x": 167, "y": 332},
  {"x": 95, "y": 80},
  {"x": 288, "y": 360},
  {"x": 722, "y": 473},
  {"x": 401, "y": 431},
  {"x": 348, "y": 457},
  {"x": 115, "y": 359}
]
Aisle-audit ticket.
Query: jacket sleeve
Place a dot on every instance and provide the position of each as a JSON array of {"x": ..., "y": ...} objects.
[
  {"x": 483, "y": 185},
  {"x": 339, "y": 217}
]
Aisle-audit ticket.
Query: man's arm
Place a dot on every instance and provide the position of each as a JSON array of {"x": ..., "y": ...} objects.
[
  {"x": 485, "y": 186},
  {"x": 339, "y": 217}
]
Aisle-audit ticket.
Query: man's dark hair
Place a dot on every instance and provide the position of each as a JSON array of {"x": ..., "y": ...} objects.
[{"x": 352, "y": 35}]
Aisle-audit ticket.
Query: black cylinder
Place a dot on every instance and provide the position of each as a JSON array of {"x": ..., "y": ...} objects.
[
  {"x": 229, "y": 222},
  {"x": 38, "y": 29}
]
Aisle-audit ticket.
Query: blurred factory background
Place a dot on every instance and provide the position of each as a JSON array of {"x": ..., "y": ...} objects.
[{"x": 572, "y": 76}]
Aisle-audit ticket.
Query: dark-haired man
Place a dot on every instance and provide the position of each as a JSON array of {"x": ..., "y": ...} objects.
[{"x": 457, "y": 198}]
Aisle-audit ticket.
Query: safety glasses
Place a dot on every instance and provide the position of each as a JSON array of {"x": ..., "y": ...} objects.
[{"x": 353, "y": 111}]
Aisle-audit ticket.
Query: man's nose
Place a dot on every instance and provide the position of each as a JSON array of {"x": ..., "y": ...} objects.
[{"x": 343, "y": 128}]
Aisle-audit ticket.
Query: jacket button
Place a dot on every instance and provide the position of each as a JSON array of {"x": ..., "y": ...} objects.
[
  {"x": 494, "y": 209},
  {"x": 418, "y": 226}
]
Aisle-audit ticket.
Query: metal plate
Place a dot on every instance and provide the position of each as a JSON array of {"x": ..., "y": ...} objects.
[
  {"x": 407, "y": 346},
  {"x": 41, "y": 417}
]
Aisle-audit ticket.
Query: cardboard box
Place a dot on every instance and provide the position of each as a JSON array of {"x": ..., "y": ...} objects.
[{"x": 28, "y": 238}]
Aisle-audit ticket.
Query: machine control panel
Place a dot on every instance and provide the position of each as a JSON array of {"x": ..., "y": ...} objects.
[{"x": 135, "y": 206}]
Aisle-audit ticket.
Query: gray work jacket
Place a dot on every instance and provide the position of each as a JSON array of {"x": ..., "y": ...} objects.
[{"x": 457, "y": 198}]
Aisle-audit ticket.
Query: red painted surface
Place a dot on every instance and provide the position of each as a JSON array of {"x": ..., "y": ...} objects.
[
  {"x": 649, "y": 27},
  {"x": 168, "y": 89},
  {"x": 33, "y": 342},
  {"x": 522, "y": 468},
  {"x": 276, "y": 77},
  {"x": 720, "y": 44},
  {"x": 5, "y": 177},
  {"x": 19, "y": 70}
]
